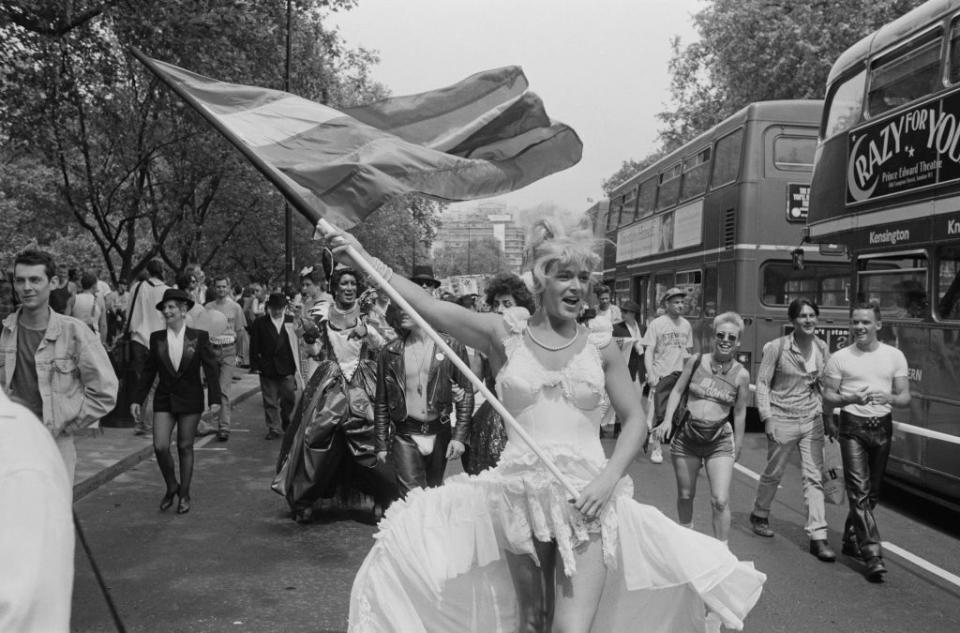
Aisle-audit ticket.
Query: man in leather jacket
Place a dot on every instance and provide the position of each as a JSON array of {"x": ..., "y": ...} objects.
[{"x": 417, "y": 387}]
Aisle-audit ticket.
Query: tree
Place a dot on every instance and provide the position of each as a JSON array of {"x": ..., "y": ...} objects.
[
  {"x": 481, "y": 256},
  {"x": 755, "y": 50},
  {"x": 628, "y": 169},
  {"x": 135, "y": 168},
  {"x": 401, "y": 231}
]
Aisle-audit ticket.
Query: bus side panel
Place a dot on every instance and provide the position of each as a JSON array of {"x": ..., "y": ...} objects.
[
  {"x": 937, "y": 385},
  {"x": 906, "y": 453}
]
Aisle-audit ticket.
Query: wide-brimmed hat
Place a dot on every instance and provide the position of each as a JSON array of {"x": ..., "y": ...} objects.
[
  {"x": 673, "y": 292},
  {"x": 631, "y": 306},
  {"x": 423, "y": 274},
  {"x": 277, "y": 300},
  {"x": 175, "y": 294}
]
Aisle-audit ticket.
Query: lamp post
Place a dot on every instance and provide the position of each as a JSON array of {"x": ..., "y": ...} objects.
[{"x": 287, "y": 211}]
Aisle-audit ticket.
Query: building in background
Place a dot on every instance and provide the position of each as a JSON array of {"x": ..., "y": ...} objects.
[{"x": 459, "y": 229}]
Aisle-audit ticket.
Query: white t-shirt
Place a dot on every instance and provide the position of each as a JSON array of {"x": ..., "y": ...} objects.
[
  {"x": 857, "y": 369},
  {"x": 36, "y": 531},
  {"x": 669, "y": 343}
]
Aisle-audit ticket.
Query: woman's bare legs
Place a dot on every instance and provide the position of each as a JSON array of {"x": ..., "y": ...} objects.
[
  {"x": 534, "y": 585},
  {"x": 186, "y": 432},
  {"x": 686, "y": 469},
  {"x": 163, "y": 423},
  {"x": 578, "y": 596},
  {"x": 719, "y": 474}
]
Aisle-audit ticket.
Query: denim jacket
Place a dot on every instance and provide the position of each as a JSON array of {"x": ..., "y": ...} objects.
[{"x": 76, "y": 380}]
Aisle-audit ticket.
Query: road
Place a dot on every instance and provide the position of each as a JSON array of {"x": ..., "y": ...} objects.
[{"x": 238, "y": 563}]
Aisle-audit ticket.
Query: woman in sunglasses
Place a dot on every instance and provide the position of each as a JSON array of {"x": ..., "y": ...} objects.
[{"x": 710, "y": 431}]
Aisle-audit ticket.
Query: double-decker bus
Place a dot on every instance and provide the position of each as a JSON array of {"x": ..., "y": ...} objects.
[
  {"x": 886, "y": 184},
  {"x": 722, "y": 218}
]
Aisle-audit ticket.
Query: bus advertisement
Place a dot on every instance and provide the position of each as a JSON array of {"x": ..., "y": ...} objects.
[{"x": 886, "y": 185}]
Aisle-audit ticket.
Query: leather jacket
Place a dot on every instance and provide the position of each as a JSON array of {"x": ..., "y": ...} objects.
[{"x": 390, "y": 404}]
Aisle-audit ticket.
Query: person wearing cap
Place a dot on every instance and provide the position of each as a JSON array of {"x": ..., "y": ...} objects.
[
  {"x": 176, "y": 355},
  {"x": 668, "y": 343},
  {"x": 275, "y": 355}
]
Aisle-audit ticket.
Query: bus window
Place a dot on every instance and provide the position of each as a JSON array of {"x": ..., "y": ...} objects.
[
  {"x": 826, "y": 284},
  {"x": 695, "y": 171},
  {"x": 669, "y": 187},
  {"x": 955, "y": 52},
  {"x": 905, "y": 77},
  {"x": 726, "y": 160},
  {"x": 628, "y": 207},
  {"x": 647, "y": 198},
  {"x": 613, "y": 215},
  {"x": 897, "y": 283},
  {"x": 844, "y": 105},
  {"x": 794, "y": 153},
  {"x": 948, "y": 283},
  {"x": 691, "y": 281}
]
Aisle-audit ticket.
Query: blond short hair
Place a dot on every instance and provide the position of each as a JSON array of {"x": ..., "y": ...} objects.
[{"x": 548, "y": 245}]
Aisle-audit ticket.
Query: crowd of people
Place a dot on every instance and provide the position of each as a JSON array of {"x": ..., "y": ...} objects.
[{"x": 370, "y": 406}]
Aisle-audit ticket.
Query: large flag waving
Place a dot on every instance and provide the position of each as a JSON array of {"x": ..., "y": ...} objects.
[{"x": 484, "y": 136}]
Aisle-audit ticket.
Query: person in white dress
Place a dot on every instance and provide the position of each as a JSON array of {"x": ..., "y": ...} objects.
[{"x": 508, "y": 550}]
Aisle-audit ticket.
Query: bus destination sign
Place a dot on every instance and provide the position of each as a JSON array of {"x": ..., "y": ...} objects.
[{"x": 916, "y": 148}]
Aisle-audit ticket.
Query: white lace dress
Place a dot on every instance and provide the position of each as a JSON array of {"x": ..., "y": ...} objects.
[{"x": 438, "y": 566}]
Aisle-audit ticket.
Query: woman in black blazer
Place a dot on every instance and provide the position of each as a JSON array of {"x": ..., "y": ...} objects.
[{"x": 176, "y": 354}]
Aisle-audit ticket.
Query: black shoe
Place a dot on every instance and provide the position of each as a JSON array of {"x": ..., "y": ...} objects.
[
  {"x": 875, "y": 569},
  {"x": 852, "y": 550},
  {"x": 822, "y": 550},
  {"x": 167, "y": 500},
  {"x": 760, "y": 526},
  {"x": 272, "y": 435},
  {"x": 184, "y": 506},
  {"x": 222, "y": 436}
]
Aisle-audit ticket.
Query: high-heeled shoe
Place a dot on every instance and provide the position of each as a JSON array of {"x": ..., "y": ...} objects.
[
  {"x": 167, "y": 500},
  {"x": 184, "y": 506}
]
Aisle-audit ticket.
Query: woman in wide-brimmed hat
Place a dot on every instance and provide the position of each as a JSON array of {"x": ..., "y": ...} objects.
[{"x": 176, "y": 356}]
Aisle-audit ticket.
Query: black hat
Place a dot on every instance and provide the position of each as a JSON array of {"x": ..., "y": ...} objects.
[
  {"x": 277, "y": 300},
  {"x": 630, "y": 306},
  {"x": 423, "y": 274},
  {"x": 175, "y": 294}
]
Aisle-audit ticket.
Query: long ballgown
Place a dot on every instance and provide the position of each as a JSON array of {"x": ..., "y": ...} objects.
[{"x": 438, "y": 562}]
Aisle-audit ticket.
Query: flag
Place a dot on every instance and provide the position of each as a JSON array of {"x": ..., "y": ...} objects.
[{"x": 484, "y": 136}]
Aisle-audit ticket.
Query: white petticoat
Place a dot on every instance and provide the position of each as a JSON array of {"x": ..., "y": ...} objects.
[{"x": 438, "y": 566}]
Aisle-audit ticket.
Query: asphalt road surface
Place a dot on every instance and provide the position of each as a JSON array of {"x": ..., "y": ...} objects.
[{"x": 238, "y": 563}]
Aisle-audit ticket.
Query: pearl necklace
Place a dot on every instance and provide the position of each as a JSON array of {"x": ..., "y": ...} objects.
[{"x": 553, "y": 348}]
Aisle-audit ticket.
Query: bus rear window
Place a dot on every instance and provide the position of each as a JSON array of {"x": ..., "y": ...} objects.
[
  {"x": 828, "y": 285},
  {"x": 896, "y": 283},
  {"x": 905, "y": 78},
  {"x": 844, "y": 105},
  {"x": 726, "y": 160},
  {"x": 794, "y": 153},
  {"x": 948, "y": 283}
]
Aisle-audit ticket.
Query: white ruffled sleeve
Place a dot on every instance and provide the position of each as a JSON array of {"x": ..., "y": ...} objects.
[
  {"x": 516, "y": 319},
  {"x": 601, "y": 331}
]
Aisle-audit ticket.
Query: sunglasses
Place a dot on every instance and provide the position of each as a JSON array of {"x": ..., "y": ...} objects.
[{"x": 723, "y": 336}]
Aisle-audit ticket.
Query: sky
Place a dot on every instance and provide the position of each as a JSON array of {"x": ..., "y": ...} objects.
[{"x": 599, "y": 65}]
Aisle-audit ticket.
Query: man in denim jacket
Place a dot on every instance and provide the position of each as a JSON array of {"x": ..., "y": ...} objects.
[{"x": 53, "y": 364}]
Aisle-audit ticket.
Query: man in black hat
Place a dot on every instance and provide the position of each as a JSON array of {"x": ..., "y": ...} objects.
[
  {"x": 275, "y": 355},
  {"x": 423, "y": 277}
]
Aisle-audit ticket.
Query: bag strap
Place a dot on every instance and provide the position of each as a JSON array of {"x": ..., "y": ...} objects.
[
  {"x": 696, "y": 365},
  {"x": 133, "y": 303}
]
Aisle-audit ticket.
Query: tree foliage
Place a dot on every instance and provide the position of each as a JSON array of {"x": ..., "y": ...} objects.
[
  {"x": 755, "y": 50},
  {"x": 628, "y": 169},
  {"x": 131, "y": 167},
  {"x": 481, "y": 256}
]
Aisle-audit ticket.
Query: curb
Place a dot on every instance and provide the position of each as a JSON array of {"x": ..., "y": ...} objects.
[{"x": 88, "y": 485}]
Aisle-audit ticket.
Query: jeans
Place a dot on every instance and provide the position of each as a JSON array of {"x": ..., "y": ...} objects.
[
  {"x": 226, "y": 356},
  {"x": 865, "y": 447},
  {"x": 808, "y": 437}
]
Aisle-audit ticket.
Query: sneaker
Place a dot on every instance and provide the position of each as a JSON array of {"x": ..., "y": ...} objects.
[
  {"x": 656, "y": 456},
  {"x": 760, "y": 526}
]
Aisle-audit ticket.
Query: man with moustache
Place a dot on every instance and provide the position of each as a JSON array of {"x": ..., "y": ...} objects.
[{"x": 865, "y": 379}]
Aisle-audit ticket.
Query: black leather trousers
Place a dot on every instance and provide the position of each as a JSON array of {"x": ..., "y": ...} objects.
[
  {"x": 415, "y": 470},
  {"x": 865, "y": 447}
]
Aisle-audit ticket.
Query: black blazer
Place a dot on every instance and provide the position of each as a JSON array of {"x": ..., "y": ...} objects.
[
  {"x": 635, "y": 362},
  {"x": 180, "y": 391},
  {"x": 270, "y": 354}
]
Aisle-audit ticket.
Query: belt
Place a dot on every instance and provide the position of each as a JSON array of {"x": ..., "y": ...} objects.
[
  {"x": 412, "y": 425},
  {"x": 866, "y": 422}
]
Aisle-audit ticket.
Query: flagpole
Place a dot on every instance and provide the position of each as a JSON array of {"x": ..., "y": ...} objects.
[{"x": 325, "y": 228}]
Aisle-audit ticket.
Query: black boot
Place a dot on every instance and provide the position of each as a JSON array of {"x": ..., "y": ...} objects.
[{"x": 822, "y": 550}]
